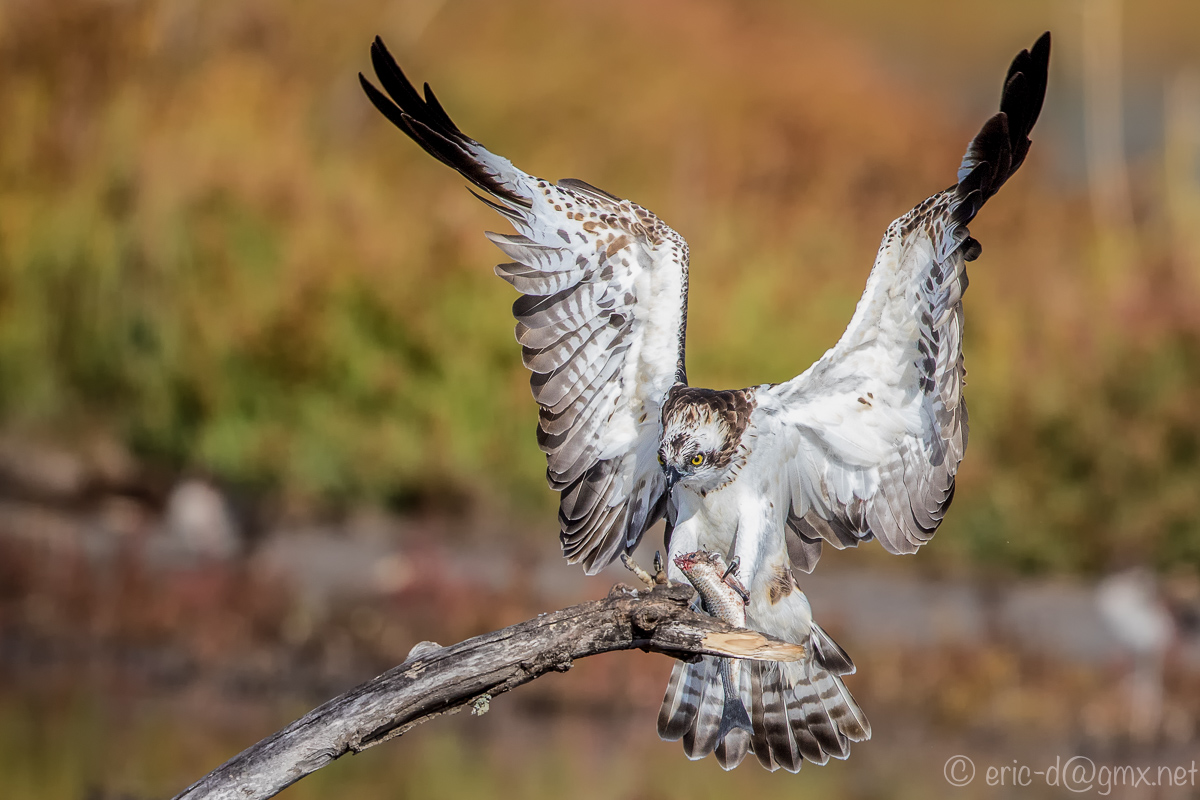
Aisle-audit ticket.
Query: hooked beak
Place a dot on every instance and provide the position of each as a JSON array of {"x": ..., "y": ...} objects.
[{"x": 673, "y": 476}]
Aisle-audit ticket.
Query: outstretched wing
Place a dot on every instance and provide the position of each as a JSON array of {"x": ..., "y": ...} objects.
[
  {"x": 601, "y": 324},
  {"x": 871, "y": 435}
]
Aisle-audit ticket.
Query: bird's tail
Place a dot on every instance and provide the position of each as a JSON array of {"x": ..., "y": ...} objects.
[{"x": 797, "y": 711}]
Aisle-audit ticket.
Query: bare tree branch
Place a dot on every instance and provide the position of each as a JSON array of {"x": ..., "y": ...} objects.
[{"x": 438, "y": 680}]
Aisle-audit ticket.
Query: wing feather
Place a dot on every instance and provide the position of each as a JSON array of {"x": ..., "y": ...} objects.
[
  {"x": 527, "y": 280},
  {"x": 873, "y": 433},
  {"x": 583, "y": 497},
  {"x": 600, "y": 319}
]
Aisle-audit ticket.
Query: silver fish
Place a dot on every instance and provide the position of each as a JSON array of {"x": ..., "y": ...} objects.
[{"x": 723, "y": 596}]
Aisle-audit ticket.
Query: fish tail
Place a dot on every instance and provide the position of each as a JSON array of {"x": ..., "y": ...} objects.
[
  {"x": 733, "y": 714},
  {"x": 734, "y": 717},
  {"x": 698, "y": 709}
]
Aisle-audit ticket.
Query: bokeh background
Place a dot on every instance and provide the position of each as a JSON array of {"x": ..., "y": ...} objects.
[{"x": 263, "y": 426}]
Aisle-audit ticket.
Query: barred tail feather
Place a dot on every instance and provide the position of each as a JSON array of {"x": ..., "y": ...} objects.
[
  {"x": 682, "y": 700},
  {"x": 701, "y": 737},
  {"x": 797, "y": 712},
  {"x": 805, "y": 713},
  {"x": 843, "y": 709},
  {"x": 812, "y": 730},
  {"x": 733, "y": 748},
  {"x": 758, "y": 737},
  {"x": 773, "y": 741}
]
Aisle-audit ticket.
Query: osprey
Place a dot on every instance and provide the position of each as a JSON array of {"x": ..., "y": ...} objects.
[{"x": 863, "y": 445}]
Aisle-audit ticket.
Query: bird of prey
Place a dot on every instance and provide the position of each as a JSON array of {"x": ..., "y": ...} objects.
[{"x": 863, "y": 445}]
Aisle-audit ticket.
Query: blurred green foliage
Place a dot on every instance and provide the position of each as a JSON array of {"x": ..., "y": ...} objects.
[{"x": 213, "y": 250}]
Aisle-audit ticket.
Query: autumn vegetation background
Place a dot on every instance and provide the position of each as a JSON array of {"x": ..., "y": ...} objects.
[
  {"x": 218, "y": 260},
  {"x": 216, "y": 256}
]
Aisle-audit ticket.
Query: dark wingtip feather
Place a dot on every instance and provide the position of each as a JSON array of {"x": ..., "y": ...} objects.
[
  {"x": 425, "y": 122},
  {"x": 1040, "y": 70},
  {"x": 435, "y": 108},
  {"x": 999, "y": 148},
  {"x": 394, "y": 81},
  {"x": 1023, "y": 95}
]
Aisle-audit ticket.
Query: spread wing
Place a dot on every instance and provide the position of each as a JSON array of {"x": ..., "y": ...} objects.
[
  {"x": 601, "y": 324},
  {"x": 871, "y": 435}
]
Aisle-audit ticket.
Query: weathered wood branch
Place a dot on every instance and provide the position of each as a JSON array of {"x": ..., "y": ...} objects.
[{"x": 438, "y": 680}]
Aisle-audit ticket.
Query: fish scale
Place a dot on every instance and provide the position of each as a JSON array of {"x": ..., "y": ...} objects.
[{"x": 723, "y": 596}]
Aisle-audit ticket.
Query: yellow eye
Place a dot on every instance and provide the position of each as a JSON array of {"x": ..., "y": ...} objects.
[
  {"x": 660, "y": 460},
  {"x": 697, "y": 459}
]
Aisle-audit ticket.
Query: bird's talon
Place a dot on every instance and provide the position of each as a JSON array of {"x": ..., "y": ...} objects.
[
  {"x": 642, "y": 575},
  {"x": 731, "y": 580},
  {"x": 734, "y": 564},
  {"x": 660, "y": 573}
]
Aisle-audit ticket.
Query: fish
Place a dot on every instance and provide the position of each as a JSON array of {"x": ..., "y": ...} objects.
[{"x": 723, "y": 596}]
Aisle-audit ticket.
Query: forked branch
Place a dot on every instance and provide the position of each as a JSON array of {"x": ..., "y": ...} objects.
[{"x": 438, "y": 680}]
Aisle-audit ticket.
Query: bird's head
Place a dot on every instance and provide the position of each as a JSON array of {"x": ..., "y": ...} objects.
[{"x": 701, "y": 434}]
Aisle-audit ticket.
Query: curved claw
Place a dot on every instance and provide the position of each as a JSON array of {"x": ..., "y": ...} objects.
[
  {"x": 735, "y": 563},
  {"x": 731, "y": 580}
]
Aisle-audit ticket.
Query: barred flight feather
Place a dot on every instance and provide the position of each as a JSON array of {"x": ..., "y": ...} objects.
[
  {"x": 886, "y": 449},
  {"x": 583, "y": 260}
]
